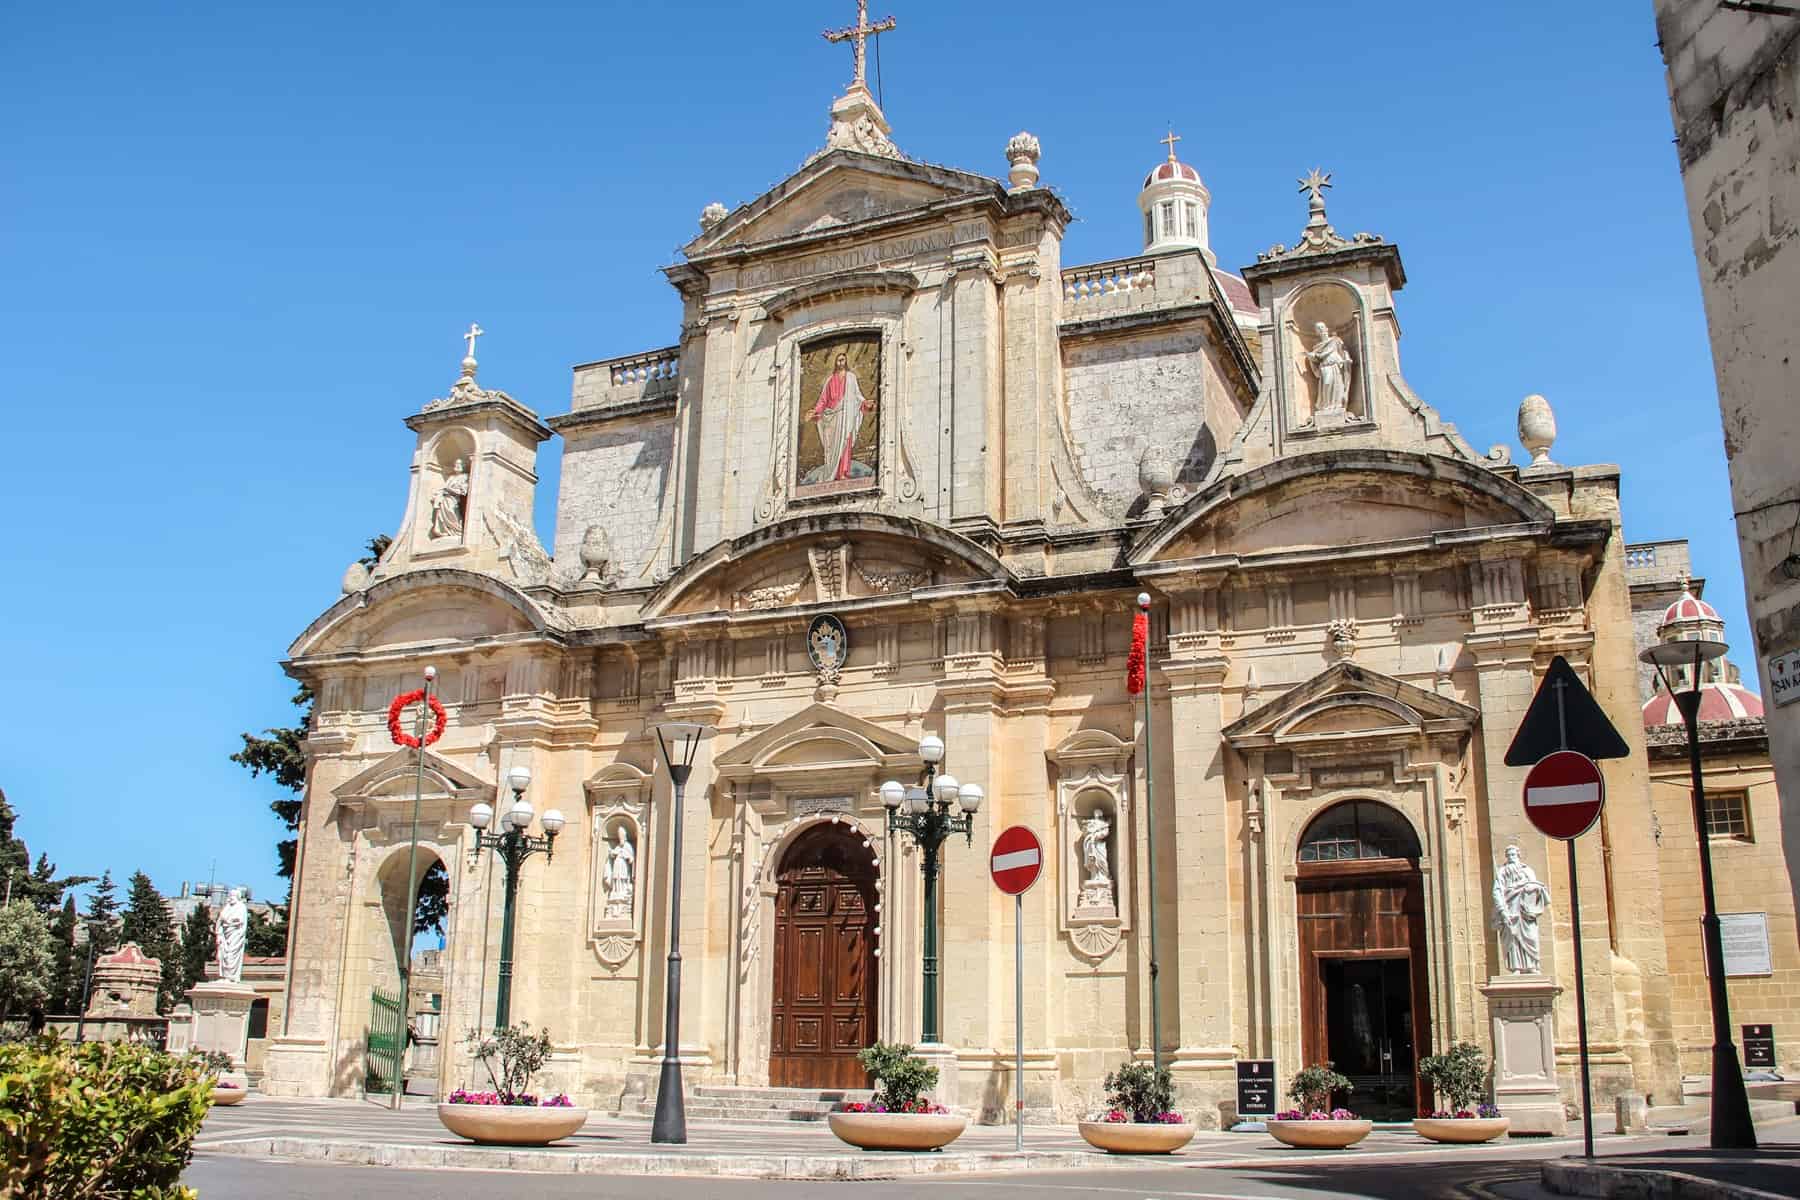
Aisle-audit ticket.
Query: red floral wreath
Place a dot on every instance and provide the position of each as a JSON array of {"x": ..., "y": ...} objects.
[{"x": 403, "y": 738}]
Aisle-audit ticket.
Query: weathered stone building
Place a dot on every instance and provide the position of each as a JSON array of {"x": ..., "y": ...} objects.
[
  {"x": 1734, "y": 85},
  {"x": 892, "y": 405}
]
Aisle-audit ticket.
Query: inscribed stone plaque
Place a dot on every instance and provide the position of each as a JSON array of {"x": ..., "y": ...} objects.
[{"x": 1746, "y": 943}]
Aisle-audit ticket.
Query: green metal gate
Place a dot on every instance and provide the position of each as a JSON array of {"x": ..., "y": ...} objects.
[{"x": 386, "y": 1045}]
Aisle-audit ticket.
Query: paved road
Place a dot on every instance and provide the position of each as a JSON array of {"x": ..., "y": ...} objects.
[{"x": 223, "y": 1178}]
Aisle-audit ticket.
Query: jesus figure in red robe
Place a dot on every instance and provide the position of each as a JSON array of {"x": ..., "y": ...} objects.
[{"x": 839, "y": 414}]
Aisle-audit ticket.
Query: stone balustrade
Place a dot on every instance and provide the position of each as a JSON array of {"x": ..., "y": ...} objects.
[
  {"x": 649, "y": 375},
  {"x": 1088, "y": 287}
]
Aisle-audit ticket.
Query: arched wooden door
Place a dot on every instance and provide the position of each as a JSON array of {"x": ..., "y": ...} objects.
[
  {"x": 1364, "y": 993},
  {"x": 823, "y": 1010}
]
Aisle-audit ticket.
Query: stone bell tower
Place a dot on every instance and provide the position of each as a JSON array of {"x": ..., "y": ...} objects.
[{"x": 474, "y": 476}]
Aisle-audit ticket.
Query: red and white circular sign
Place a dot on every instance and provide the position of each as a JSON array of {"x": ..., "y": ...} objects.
[
  {"x": 1017, "y": 860},
  {"x": 1564, "y": 794}
]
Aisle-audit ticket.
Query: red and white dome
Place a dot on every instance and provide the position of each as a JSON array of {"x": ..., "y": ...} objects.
[
  {"x": 1689, "y": 608},
  {"x": 1718, "y": 702},
  {"x": 1171, "y": 169}
]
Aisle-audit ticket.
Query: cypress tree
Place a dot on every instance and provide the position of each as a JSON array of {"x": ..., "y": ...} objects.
[
  {"x": 65, "y": 975},
  {"x": 147, "y": 923},
  {"x": 199, "y": 946},
  {"x": 102, "y": 916}
]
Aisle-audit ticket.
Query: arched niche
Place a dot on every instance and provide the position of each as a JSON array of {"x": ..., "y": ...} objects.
[
  {"x": 619, "y": 819},
  {"x": 1337, "y": 306},
  {"x": 1093, "y": 781},
  {"x": 447, "y": 476}
]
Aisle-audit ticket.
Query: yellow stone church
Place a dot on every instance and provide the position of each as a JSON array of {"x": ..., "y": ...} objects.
[{"x": 893, "y": 488}]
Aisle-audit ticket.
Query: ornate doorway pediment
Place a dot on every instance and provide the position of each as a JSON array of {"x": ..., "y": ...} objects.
[{"x": 1347, "y": 703}]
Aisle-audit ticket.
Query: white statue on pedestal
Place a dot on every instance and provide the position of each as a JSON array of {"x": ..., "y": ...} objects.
[
  {"x": 1519, "y": 900},
  {"x": 619, "y": 875},
  {"x": 449, "y": 505},
  {"x": 1330, "y": 361},
  {"x": 1096, "y": 884},
  {"x": 232, "y": 928}
]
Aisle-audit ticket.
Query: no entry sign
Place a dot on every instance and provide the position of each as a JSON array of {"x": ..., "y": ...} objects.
[
  {"x": 1564, "y": 794},
  {"x": 1017, "y": 860}
]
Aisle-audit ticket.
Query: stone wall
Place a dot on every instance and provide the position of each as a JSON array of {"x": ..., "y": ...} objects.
[{"x": 1734, "y": 86}]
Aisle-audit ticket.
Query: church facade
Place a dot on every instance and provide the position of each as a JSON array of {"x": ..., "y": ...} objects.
[{"x": 902, "y": 472}]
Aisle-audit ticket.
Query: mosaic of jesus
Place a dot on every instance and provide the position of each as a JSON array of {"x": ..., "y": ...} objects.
[{"x": 840, "y": 413}]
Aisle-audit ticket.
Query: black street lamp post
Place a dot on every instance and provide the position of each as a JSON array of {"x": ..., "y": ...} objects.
[
  {"x": 1692, "y": 634},
  {"x": 679, "y": 741},
  {"x": 928, "y": 820},
  {"x": 514, "y": 846}
]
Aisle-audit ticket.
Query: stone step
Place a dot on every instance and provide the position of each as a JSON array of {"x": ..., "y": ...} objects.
[{"x": 754, "y": 1105}]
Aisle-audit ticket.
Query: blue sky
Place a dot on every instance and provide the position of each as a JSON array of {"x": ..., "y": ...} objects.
[{"x": 240, "y": 242}]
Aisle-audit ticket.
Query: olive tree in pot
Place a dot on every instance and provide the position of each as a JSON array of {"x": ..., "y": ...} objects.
[
  {"x": 1315, "y": 1125},
  {"x": 901, "y": 1116},
  {"x": 1459, "y": 1078},
  {"x": 229, "y": 1086},
  {"x": 1139, "y": 1117},
  {"x": 509, "y": 1115}
]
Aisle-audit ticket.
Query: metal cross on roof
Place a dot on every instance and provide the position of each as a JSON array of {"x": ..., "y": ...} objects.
[
  {"x": 859, "y": 34},
  {"x": 1170, "y": 143},
  {"x": 475, "y": 331}
]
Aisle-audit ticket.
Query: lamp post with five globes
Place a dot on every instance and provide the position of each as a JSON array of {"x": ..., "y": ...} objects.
[
  {"x": 929, "y": 821},
  {"x": 515, "y": 846}
]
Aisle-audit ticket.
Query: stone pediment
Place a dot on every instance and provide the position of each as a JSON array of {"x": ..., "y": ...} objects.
[
  {"x": 395, "y": 775},
  {"x": 1347, "y": 703},
  {"x": 820, "y": 742},
  {"x": 837, "y": 191},
  {"x": 1326, "y": 502},
  {"x": 423, "y": 608},
  {"x": 845, "y": 560}
]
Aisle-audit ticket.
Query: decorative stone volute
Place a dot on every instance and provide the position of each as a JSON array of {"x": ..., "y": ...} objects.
[
  {"x": 1023, "y": 152},
  {"x": 1537, "y": 429}
]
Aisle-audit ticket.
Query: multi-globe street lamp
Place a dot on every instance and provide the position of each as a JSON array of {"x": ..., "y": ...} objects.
[
  {"x": 922, "y": 811},
  {"x": 680, "y": 740},
  {"x": 1691, "y": 635},
  {"x": 514, "y": 846}
]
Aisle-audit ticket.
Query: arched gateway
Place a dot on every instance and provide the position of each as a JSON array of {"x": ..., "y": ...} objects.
[
  {"x": 1364, "y": 999},
  {"x": 823, "y": 1006}
]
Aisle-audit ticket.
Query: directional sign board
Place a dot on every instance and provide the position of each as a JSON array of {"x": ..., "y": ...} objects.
[
  {"x": 1017, "y": 860},
  {"x": 1564, "y": 716},
  {"x": 1564, "y": 794}
]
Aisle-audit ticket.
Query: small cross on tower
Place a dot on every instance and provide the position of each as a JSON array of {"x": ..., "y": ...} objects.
[
  {"x": 1170, "y": 143},
  {"x": 859, "y": 34},
  {"x": 475, "y": 331}
]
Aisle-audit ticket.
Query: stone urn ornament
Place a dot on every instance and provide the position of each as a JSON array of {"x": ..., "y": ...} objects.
[{"x": 1537, "y": 429}]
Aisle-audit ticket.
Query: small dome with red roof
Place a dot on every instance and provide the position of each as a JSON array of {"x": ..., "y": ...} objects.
[
  {"x": 1172, "y": 169},
  {"x": 1718, "y": 702},
  {"x": 1689, "y": 608},
  {"x": 1174, "y": 203}
]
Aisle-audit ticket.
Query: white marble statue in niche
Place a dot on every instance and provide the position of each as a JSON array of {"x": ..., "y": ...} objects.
[
  {"x": 1519, "y": 900},
  {"x": 1330, "y": 361},
  {"x": 451, "y": 503},
  {"x": 232, "y": 929},
  {"x": 619, "y": 875},
  {"x": 1096, "y": 866}
]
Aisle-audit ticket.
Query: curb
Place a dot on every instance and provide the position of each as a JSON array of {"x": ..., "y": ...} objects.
[
  {"x": 575, "y": 1162},
  {"x": 1593, "y": 1179}
]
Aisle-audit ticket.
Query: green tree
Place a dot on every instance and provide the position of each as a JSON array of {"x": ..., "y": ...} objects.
[
  {"x": 199, "y": 946},
  {"x": 266, "y": 937},
  {"x": 27, "y": 958},
  {"x": 102, "y": 917},
  {"x": 19, "y": 880},
  {"x": 147, "y": 922},
  {"x": 67, "y": 967}
]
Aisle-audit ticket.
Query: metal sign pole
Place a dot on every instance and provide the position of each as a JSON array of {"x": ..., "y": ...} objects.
[
  {"x": 1019, "y": 1021},
  {"x": 1581, "y": 1028}
]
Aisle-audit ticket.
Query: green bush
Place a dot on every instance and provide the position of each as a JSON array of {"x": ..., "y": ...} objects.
[
  {"x": 1458, "y": 1076},
  {"x": 1313, "y": 1088},
  {"x": 521, "y": 1052},
  {"x": 97, "y": 1121},
  {"x": 1141, "y": 1090},
  {"x": 901, "y": 1076}
]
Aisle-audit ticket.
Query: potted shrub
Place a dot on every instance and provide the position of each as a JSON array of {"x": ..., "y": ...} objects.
[
  {"x": 1315, "y": 1125},
  {"x": 901, "y": 1116},
  {"x": 1458, "y": 1077},
  {"x": 1138, "y": 1117},
  {"x": 228, "y": 1086},
  {"x": 509, "y": 1115}
]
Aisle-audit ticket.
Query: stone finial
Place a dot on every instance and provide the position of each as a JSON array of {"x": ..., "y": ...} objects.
[
  {"x": 1537, "y": 429},
  {"x": 711, "y": 215},
  {"x": 1156, "y": 476},
  {"x": 356, "y": 577},
  {"x": 1022, "y": 152}
]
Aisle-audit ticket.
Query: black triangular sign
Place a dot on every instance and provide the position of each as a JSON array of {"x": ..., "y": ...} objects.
[{"x": 1541, "y": 732}]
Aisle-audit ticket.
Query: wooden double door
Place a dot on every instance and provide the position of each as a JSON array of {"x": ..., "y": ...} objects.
[
  {"x": 1364, "y": 987},
  {"x": 825, "y": 988}
]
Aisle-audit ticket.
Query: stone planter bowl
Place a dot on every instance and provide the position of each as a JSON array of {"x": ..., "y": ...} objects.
[
  {"x": 233, "y": 1095},
  {"x": 897, "y": 1131},
  {"x": 508, "y": 1125},
  {"x": 1466, "y": 1131},
  {"x": 1320, "y": 1135},
  {"x": 1131, "y": 1137}
]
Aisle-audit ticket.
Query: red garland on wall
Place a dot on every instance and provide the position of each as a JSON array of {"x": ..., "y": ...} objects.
[{"x": 401, "y": 702}]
